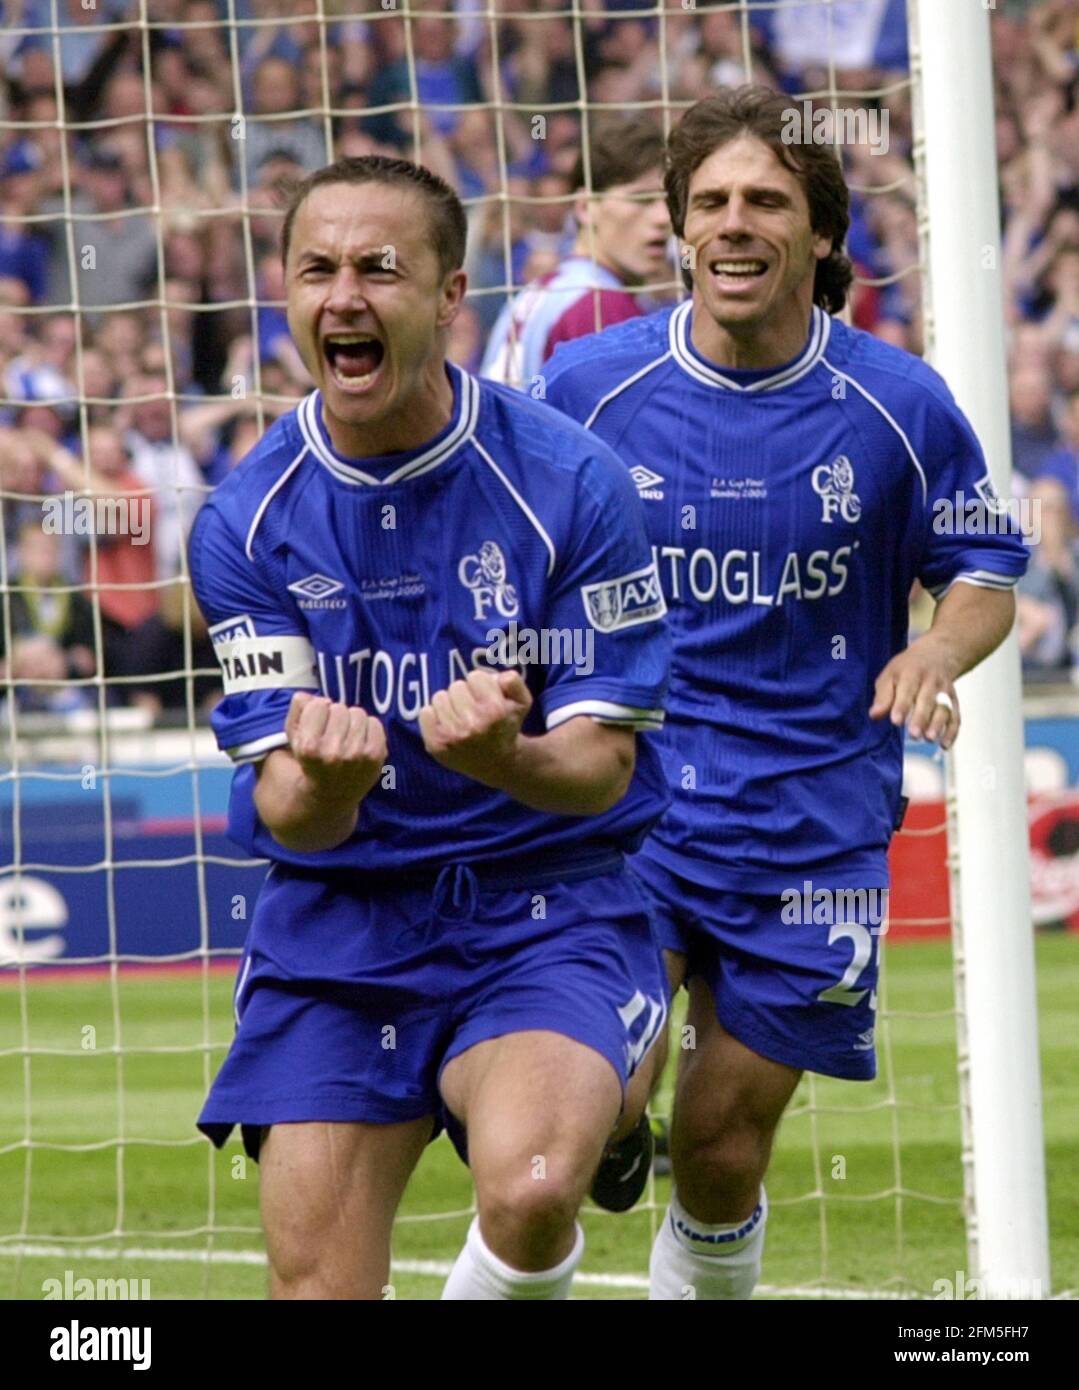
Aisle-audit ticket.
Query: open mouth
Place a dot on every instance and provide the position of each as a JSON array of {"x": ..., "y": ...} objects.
[
  {"x": 737, "y": 271},
  {"x": 354, "y": 359}
]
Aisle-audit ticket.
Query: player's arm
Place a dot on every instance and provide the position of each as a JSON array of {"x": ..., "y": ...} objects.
[
  {"x": 579, "y": 768},
  {"x": 308, "y": 794},
  {"x": 970, "y": 570},
  {"x": 603, "y": 589},
  {"x": 968, "y": 625},
  {"x": 315, "y": 760}
]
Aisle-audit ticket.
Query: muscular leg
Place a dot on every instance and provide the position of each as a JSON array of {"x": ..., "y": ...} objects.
[
  {"x": 728, "y": 1103},
  {"x": 538, "y": 1107},
  {"x": 319, "y": 1185}
]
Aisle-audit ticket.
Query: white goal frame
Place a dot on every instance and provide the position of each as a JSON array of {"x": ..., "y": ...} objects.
[{"x": 988, "y": 840}]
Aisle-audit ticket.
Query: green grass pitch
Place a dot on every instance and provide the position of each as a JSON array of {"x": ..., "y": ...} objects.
[{"x": 141, "y": 1210}]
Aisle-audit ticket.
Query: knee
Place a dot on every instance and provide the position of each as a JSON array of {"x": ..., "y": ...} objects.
[
  {"x": 297, "y": 1273},
  {"x": 529, "y": 1207},
  {"x": 734, "y": 1158},
  {"x": 319, "y": 1257}
]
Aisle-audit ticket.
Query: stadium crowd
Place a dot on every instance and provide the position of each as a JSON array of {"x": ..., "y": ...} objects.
[{"x": 130, "y": 187}]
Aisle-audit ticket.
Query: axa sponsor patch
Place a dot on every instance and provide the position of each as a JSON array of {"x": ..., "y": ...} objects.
[
  {"x": 986, "y": 490},
  {"x": 624, "y": 602},
  {"x": 249, "y": 662},
  {"x": 231, "y": 630}
]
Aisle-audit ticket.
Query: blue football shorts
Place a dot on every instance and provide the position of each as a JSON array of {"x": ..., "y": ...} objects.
[
  {"x": 794, "y": 989},
  {"x": 350, "y": 1000}
]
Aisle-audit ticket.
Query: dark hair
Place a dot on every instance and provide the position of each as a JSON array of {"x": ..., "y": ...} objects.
[
  {"x": 619, "y": 152},
  {"x": 448, "y": 226},
  {"x": 763, "y": 113}
]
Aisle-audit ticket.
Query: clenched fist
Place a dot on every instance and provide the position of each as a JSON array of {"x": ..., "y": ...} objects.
[
  {"x": 339, "y": 747},
  {"x": 472, "y": 727}
]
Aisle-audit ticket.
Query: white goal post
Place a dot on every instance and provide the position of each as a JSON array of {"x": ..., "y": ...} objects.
[{"x": 1004, "y": 1161}]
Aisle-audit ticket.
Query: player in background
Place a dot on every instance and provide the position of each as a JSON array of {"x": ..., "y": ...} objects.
[
  {"x": 798, "y": 476},
  {"x": 440, "y": 630},
  {"x": 622, "y": 242}
]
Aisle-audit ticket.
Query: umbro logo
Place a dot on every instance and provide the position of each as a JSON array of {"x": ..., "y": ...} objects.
[
  {"x": 645, "y": 480},
  {"x": 317, "y": 590},
  {"x": 316, "y": 586}
]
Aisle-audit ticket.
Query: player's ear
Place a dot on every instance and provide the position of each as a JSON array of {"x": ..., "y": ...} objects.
[
  {"x": 822, "y": 246},
  {"x": 454, "y": 288},
  {"x": 581, "y": 209}
]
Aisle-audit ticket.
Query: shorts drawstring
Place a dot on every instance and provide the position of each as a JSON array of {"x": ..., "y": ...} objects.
[{"x": 457, "y": 893}]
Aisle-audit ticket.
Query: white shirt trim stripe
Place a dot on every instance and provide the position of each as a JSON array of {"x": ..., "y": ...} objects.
[
  {"x": 311, "y": 433},
  {"x": 678, "y": 330},
  {"x": 533, "y": 518},
  {"x": 285, "y": 476},
  {"x": 624, "y": 385},
  {"x": 238, "y": 991},
  {"x": 894, "y": 424},
  {"x": 257, "y": 748},
  {"x": 606, "y": 712},
  {"x": 980, "y": 579}
]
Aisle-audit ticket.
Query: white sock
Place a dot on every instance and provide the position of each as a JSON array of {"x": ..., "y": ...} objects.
[
  {"x": 478, "y": 1273},
  {"x": 691, "y": 1259}
]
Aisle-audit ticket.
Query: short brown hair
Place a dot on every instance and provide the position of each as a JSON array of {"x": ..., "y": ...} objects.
[
  {"x": 449, "y": 227},
  {"x": 763, "y": 113},
  {"x": 619, "y": 152}
]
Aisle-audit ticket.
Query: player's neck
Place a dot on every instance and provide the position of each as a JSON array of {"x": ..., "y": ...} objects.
[
  {"x": 751, "y": 346},
  {"x": 416, "y": 421},
  {"x": 585, "y": 248}
]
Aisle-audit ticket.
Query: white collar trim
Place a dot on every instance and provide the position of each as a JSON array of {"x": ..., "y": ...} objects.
[
  {"x": 679, "y": 327},
  {"x": 462, "y": 431}
]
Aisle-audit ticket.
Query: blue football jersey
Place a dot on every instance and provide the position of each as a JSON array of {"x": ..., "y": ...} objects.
[
  {"x": 790, "y": 511},
  {"x": 514, "y": 538}
]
